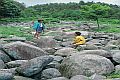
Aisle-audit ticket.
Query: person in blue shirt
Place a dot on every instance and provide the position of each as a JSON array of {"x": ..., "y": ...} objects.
[{"x": 39, "y": 27}]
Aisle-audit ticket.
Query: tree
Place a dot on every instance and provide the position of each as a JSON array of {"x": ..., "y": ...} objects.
[
  {"x": 95, "y": 11},
  {"x": 9, "y": 9}
]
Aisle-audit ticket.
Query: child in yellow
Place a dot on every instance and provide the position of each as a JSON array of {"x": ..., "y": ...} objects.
[{"x": 79, "y": 40}]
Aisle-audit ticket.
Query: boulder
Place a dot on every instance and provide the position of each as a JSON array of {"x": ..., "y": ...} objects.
[
  {"x": 59, "y": 37},
  {"x": 53, "y": 64},
  {"x": 86, "y": 64},
  {"x": 116, "y": 57},
  {"x": 46, "y": 42},
  {"x": 59, "y": 78},
  {"x": 87, "y": 47},
  {"x": 114, "y": 52},
  {"x": 66, "y": 51},
  {"x": 97, "y": 52},
  {"x": 50, "y": 73},
  {"x": 111, "y": 47},
  {"x": 117, "y": 69},
  {"x": 79, "y": 77},
  {"x": 54, "y": 33},
  {"x": 4, "y": 57},
  {"x": 2, "y": 65},
  {"x": 97, "y": 77},
  {"x": 34, "y": 65},
  {"x": 16, "y": 63},
  {"x": 6, "y": 76},
  {"x": 21, "y": 50},
  {"x": 22, "y": 78},
  {"x": 11, "y": 70},
  {"x": 57, "y": 58},
  {"x": 66, "y": 43},
  {"x": 114, "y": 42},
  {"x": 50, "y": 51}
]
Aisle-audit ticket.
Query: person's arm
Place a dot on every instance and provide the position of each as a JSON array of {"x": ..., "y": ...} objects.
[
  {"x": 75, "y": 40},
  {"x": 43, "y": 28}
]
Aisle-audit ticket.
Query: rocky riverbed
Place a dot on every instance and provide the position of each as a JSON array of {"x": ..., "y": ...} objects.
[{"x": 52, "y": 58}]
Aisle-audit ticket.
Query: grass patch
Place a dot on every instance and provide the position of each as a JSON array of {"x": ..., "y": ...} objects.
[
  {"x": 15, "y": 31},
  {"x": 113, "y": 75}
]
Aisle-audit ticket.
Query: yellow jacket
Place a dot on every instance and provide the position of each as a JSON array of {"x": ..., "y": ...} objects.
[{"x": 79, "y": 40}]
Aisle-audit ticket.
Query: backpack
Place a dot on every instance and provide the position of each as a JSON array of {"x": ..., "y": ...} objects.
[{"x": 35, "y": 25}]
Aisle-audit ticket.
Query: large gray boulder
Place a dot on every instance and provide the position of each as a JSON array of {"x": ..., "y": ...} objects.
[
  {"x": 59, "y": 78},
  {"x": 50, "y": 73},
  {"x": 66, "y": 51},
  {"x": 57, "y": 58},
  {"x": 34, "y": 65},
  {"x": 116, "y": 57},
  {"x": 46, "y": 42},
  {"x": 117, "y": 69},
  {"x": 65, "y": 43},
  {"x": 2, "y": 65},
  {"x": 79, "y": 77},
  {"x": 6, "y": 76},
  {"x": 87, "y": 47},
  {"x": 97, "y": 52},
  {"x": 114, "y": 42},
  {"x": 114, "y": 52},
  {"x": 16, "y": 63},
  {"x": 4, "y": 57},
  {"x": 111, "y": 47},
  {"x": 20, "y": 50},
  {"x": 86, "y": 64}
]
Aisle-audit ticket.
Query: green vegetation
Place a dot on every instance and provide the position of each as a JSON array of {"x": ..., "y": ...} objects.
[
  {"x": 113, "y": 75},
  {"x": 10, "y": 8},
  {"x": 109, "y": 26},
  {"x": 14, "y": 31},
  {"x": 62, "y": 11}
]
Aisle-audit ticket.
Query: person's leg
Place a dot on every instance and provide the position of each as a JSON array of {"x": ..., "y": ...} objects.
[
  {"x": 35, "y": 35},
  {"x": 38, "y": 34}
]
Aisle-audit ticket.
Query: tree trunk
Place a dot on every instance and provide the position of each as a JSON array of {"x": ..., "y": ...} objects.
[{"x": 98, "y": 24}]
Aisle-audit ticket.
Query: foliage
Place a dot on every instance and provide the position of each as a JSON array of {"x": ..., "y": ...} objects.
[
  {"x": 77, "y": 11},
  {"x": 63, "y": 11},
  {"x": 95, "y": 11},
  {"x": 8, "y": 8}
]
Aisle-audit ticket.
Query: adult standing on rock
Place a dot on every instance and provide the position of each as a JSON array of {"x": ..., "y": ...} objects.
[{"x": 39, "y": 27}]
